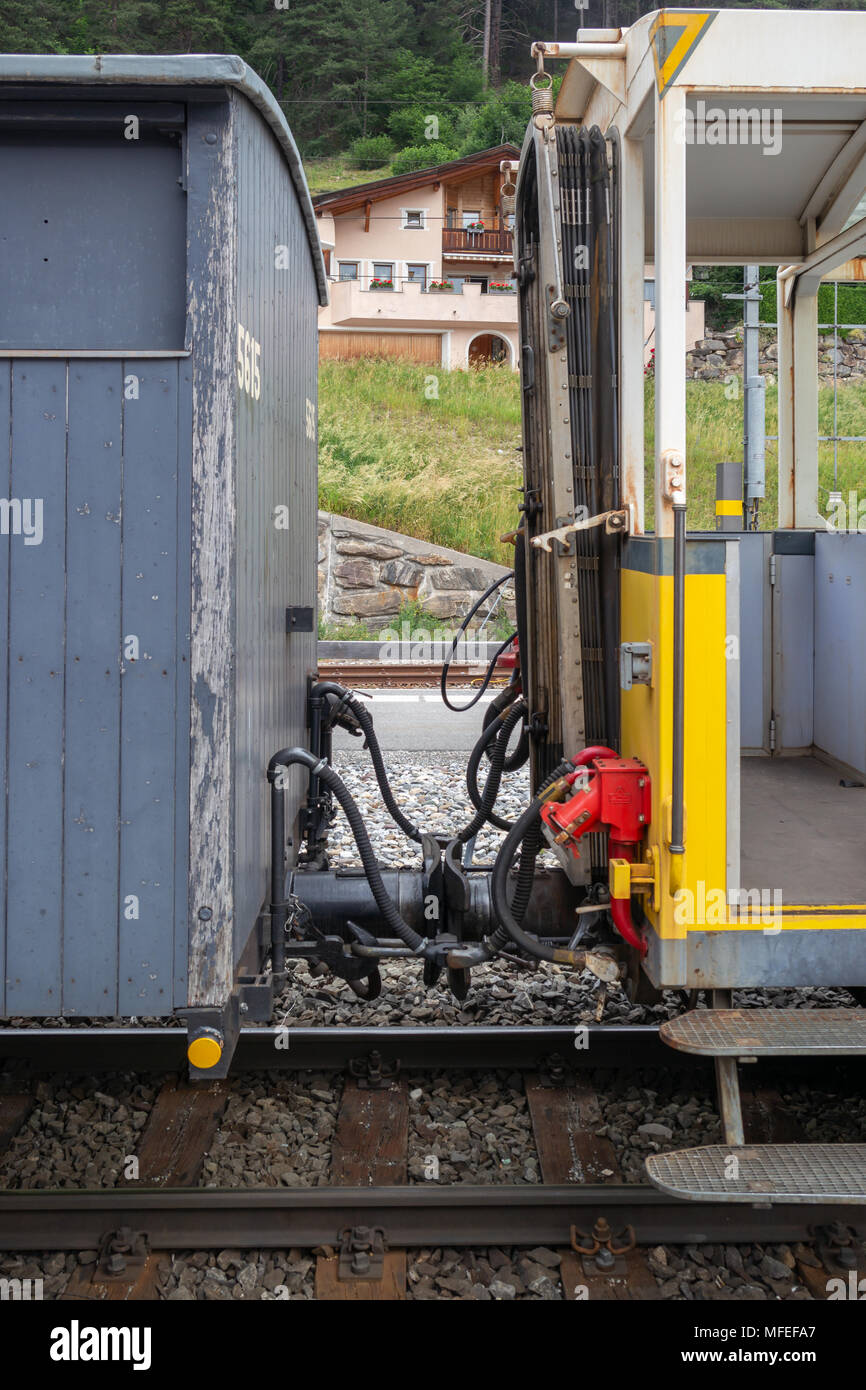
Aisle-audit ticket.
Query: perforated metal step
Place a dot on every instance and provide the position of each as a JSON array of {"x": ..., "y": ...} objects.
[
  {"x": 764, "y": 1032},
  {"x": 823, "y": 1173}
]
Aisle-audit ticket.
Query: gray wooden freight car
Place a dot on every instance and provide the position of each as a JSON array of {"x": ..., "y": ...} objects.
[{"x": 160, "y": 273}]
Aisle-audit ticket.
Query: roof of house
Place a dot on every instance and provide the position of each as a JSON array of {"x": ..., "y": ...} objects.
[{"x": 454, "y": 171}]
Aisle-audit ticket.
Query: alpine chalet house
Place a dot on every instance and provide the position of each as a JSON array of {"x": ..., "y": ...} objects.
[{"x": 421, "y": 266}]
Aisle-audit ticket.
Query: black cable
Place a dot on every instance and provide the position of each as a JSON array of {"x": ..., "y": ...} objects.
[
  {"x": 443, "y": 680},
  {"x": 492, "y": 735},
  {"x": 389, "y": 912},
  {"x": 346, "y": 700},
  {"x": 500, "y": 702},
  {"x": 494, "y": 777},
  {"x": 502, "y": 910},
  {"x": 529, "y": 850}
]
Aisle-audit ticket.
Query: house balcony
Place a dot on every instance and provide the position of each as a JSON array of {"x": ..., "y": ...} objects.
[
  {"x": 458, "y": 244},
  {"x": 411, "y": 306}
]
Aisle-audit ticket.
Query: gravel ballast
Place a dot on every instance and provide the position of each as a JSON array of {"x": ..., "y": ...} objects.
[{"x": 463, "y": 1127}]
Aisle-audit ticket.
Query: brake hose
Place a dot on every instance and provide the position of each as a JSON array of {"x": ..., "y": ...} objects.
[
  {"x": 285, "y": 758},
  {"x": 487, "y": 736},
  {"x": 509, "y": 921},
  {"x": 365, "y": 719},
  {"x": 515, "y": 760},
  {"x": 487, "y": 800}
]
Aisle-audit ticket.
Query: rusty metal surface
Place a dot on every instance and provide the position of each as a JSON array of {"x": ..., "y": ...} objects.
[
  {"x": 457, "y": 1214},
  {"x": 384, "y": 675}
]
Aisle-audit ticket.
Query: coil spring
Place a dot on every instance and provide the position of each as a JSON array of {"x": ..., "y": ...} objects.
[{"x": 542, "y": 98}]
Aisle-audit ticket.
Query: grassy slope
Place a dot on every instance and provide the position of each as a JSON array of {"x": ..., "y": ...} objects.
[
  {"x": 447, "y": 469},
  {"x": 430, "y": 453},
  {"x": 335, "y": 171}
]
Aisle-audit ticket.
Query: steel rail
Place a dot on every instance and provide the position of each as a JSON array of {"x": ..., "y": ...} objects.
[
  {"x": 409, "y": 674},
  {"x": 635, "y": 1046},
  {"x": 329, "y": 1048},
  {"x": 423, "y": 1215}
]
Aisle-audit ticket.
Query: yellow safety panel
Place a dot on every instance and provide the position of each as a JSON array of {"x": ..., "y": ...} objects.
[
  {"x": 647, "y": 725},
  {"x": 701, "y": 903}
]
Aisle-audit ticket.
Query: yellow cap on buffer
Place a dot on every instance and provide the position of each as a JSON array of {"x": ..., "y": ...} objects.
[{"x": 205, "y": 1049}]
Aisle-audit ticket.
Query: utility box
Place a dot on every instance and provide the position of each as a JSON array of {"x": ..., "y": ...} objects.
[{"x": 160, "y": 275}]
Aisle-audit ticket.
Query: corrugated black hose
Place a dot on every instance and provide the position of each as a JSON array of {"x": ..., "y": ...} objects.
[
  {"x": 365, "y": 720},
  {"x": 493, "y": 734},
  {"x": 526, "y": 828},
  {"x": 506, "y": 697},
  {"x": 331, "y": 779},
  {"x": 494, "y": 776}
]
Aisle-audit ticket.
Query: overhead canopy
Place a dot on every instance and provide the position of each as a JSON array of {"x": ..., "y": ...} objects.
[{"x": 775, "y": 122}]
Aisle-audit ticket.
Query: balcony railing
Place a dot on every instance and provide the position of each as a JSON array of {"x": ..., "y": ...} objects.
[{"x": 495, "y": 243}]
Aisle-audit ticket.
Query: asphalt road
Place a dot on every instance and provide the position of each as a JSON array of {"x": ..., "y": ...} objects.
[{"x": 417, "y": 721}]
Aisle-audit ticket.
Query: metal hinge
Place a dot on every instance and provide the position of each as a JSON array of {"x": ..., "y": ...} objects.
[
  {"x": 772, "y": 570},
  {"x": 635, "y": 664},
  {"x": 772, "y": 735}
]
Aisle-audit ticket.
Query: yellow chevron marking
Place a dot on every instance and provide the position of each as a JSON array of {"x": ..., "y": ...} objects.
[{"x": 673, "y": 36}]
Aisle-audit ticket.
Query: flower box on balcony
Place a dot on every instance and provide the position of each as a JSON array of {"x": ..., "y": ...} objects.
[
  {"x": 440, "y": 287},
  {"x": 381, "y": 284},
  {"x": 474, "y": 227},
  {"x": 499, "y": 288}
]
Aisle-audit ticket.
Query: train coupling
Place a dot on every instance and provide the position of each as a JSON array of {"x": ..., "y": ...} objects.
[{"x": 613, "y": 794}]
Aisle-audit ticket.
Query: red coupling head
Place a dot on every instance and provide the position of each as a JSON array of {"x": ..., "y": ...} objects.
[
  {"x": 613, "y": 794},
  {"x": 510, "y": 657}
]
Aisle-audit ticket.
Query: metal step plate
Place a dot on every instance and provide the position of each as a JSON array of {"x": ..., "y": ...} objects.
[
  {"x": 765, "y": 1032},
  {"x": 808, "y": 1173}
]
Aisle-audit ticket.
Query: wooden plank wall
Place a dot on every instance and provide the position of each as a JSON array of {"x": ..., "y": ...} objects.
[{"x": 417, "y": 347}]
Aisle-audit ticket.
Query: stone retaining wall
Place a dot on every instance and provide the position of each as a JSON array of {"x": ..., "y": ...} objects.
[
  {"x": 367, "y": 574},
  {"x": 714, "y": 358}
]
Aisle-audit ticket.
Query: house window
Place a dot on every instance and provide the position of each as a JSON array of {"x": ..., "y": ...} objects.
[
  {"x": 413, "y": 218},
  {"x": 348, "y": 270},
  {"x": 478, "y": 280},
  {"x": 451, "y": 217},
  {"x": 457, "y": 281},
  {"x": 470, "y": 217},
  {"x": 649, "y": 292},
  {"x": 383, "y": 273},
  {"x": 417, "y": 275}
]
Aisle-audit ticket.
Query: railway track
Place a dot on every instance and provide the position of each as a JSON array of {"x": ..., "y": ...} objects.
[
  {"x": 388, "y": 675},
  {"x": 598, "y": 1224}
]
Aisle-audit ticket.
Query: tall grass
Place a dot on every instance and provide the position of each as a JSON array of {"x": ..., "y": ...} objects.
[
  {"x": 714, "y": 434},
  {"x": 423, "y": 451},
  {"x": 435, "y": 454}
]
